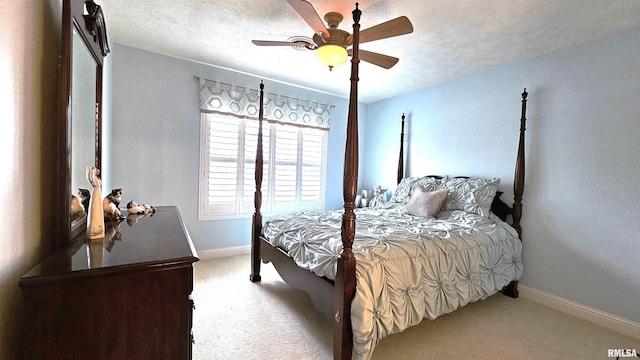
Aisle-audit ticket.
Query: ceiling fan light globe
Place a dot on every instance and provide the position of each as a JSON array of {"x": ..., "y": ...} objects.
[{"x": 332, "y": 55}]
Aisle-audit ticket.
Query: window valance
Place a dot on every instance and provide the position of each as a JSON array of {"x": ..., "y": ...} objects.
[{"x": 220, "y": 97}]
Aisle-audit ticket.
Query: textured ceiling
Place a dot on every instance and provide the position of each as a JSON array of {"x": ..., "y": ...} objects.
[{"x": 451, "y": 38}]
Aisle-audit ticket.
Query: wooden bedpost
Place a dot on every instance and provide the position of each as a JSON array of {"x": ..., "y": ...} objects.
[
  {"x": 518, "y": 188},
  {"x": 256, "y": 228},
  {"x": 518, "y": 178},
  {"x": 401, "y": 159},
  {"x": 345, "y": 283}
]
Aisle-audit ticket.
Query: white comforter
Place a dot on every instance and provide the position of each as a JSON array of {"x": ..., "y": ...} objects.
[{"x": 408, "y": 268}]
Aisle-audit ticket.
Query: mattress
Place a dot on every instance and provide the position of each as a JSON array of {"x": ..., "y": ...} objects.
[{"x": 408, "y": 268}]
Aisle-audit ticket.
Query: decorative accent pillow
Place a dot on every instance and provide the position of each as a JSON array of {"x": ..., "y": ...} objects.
[
  {"x": 425, "y": 203},
  {"x": 472, "y": 194}
]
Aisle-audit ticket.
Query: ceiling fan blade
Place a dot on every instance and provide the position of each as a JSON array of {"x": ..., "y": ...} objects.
[
  {"x": 310, "y": 15},
  {"x": 384, "y": 61},
  {"x": 280, "y": 43},
  {"x": 395, "y": 27}
]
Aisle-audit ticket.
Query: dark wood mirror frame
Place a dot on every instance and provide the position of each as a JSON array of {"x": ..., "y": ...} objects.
[{"x": 87, "y": 19}]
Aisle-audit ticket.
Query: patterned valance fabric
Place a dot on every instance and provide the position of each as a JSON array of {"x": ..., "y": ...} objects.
[{"x": 239, "y": 101}]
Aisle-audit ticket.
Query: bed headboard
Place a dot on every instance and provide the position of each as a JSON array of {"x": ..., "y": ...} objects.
[{"x": 498, "y": 207}]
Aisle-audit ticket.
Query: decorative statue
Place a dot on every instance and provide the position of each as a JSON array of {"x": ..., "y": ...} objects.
[
  {"x": 95, "y": 224},
  {"x": 135, "y": 208},
  {"x": 138, "y": 211},
  {"x": 111, "y": 204},
  {"x": 378, "y": 196}
]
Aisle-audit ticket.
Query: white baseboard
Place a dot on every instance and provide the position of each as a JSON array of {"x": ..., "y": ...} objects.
[
  {"x": 226, "y": 252},
  {"x": 602, "y": 318}
]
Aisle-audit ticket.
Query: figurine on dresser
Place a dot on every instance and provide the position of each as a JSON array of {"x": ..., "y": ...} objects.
[
  {"x": 111, "y": 205},
  {"x": 95, "y": 218},
  {"x": 140, "y": 209}
]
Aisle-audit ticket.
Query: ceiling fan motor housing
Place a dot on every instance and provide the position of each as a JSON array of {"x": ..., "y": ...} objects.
[{"x": 337, "y": 36}]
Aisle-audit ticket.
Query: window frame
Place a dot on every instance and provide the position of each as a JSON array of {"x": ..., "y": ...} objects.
[{"x": 244, "y": 209}]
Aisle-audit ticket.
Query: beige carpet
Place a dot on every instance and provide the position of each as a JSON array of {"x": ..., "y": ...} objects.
[{"x": 237, "y": 319}]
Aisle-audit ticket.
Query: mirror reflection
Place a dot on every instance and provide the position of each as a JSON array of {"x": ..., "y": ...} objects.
[
  {"x": 83, "y": 109},
  {"x": 84, "y": 46}
]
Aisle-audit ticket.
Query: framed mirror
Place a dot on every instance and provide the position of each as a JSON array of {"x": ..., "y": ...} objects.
[{"x": 84, "y": 46}]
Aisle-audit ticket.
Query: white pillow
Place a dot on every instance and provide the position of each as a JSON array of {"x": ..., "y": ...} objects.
[
  {"x": 470, "y": 194},
  {"x": 403, "y": 191}
]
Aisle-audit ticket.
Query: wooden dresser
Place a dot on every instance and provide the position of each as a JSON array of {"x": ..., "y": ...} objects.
[{"x": 127, "y": 296}]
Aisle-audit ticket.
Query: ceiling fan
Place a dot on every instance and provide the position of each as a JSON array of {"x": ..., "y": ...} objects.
[{"x": 331, "y": 43}]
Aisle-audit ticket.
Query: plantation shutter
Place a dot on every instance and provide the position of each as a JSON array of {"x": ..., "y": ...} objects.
[
  {"x": 294, "y": 147},
  {"x": 223, "y": 144},
  {"x": 312, "y": 156},
  {"x": 286, "y": 165}
]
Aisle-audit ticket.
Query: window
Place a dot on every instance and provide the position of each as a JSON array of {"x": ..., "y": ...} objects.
[{"x": 293, "y": 169}]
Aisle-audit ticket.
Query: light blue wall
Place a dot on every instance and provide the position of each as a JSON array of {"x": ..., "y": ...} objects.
[
  {"x": 155, "y": 137},
  {"x": 581, "y": 200},
  {"x": 581, "y": 237}
]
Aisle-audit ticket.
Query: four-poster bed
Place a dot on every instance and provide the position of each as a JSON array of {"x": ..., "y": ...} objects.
[{"x": 330, "y": 276}]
